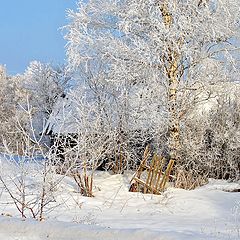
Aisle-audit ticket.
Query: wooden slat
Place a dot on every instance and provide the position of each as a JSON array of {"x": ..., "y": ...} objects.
[
  {"x": 149, "y": 176},
  {"x": 142, "y": 164},
  {"x": 160, "y": 173},
  {"x": 156, "y": 172},
  {"x": 153, "y": 176},
  {"x": 166, "y": 175}
]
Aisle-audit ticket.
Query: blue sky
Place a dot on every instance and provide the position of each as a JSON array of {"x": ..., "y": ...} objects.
[{"x": 29, "y": 30}]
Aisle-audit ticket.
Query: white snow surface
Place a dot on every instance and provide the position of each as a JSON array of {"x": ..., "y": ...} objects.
[{"x": 209, "y": 212}]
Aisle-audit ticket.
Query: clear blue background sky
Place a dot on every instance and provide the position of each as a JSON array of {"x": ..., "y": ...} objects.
[{"x": 29, "y": 30}]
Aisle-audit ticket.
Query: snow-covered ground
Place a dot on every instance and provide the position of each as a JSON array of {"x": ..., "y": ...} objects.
[{"x": 209, "y": 212}]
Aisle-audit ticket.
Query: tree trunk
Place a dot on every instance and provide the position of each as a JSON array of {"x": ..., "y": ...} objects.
[
  {"x": 174, "y": 121},
  {"x": 171, "y": 62}
]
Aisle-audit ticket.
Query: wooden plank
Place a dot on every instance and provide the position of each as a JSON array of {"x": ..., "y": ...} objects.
[
  {"x": 149, "y": 176},
  {"x": 141, "y": 168},
  {"x": 161, "y": 173},
  {"x": 156, "y": 172},
  {"x": 153, "y": 176},
  {"x": 142, "y": 164},
  {"x": 166, "y": 175}
]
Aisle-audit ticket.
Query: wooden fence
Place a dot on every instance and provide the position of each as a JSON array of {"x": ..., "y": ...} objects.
[{"x": 151, "y": 177}]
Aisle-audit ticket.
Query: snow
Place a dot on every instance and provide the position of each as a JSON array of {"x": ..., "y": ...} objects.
[{"x": 209, "y": 212}]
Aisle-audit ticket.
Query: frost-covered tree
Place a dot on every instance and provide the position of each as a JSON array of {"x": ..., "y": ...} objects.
[
  {"x": 152, "y": 57},
  {"x": 211, "y": 136},
  {"x": 44, "y": 84},
  {"x": 11, "y": 115}
]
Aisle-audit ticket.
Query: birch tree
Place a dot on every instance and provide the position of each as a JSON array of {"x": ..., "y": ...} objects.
[{"x": 160, "y": 48}]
